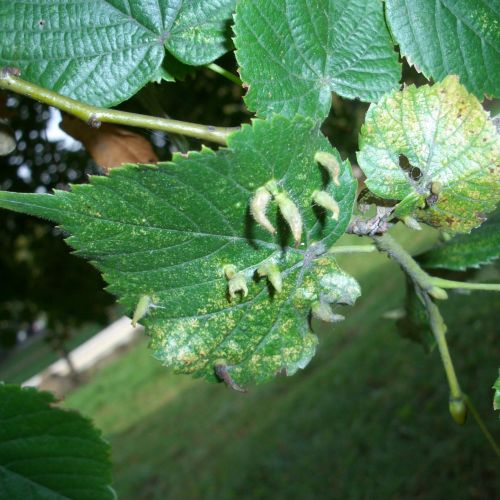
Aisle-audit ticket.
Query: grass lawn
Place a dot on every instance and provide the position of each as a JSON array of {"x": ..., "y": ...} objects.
[{"x": 367, "y": 419}]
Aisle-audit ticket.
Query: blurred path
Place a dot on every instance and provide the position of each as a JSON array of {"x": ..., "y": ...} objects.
[{"x": 102, "y": 345}]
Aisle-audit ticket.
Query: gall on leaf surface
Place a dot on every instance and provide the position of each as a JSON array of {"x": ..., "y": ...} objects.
[
  {"x": 450, "y": 37},
  {"x": 168, "y": 232},
  {"x": 294, "y": 53},
  {"x": 465, "y": 251},
  {"x": 46, "y": 452},
  {"x": 101, "y": 52},
  {"x": 435, "y": 150}
]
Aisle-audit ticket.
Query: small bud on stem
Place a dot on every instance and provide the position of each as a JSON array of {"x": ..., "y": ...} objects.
[
  {"x": 437, "y": 293},
  {"x": 458, "y": 410},
  {"x": 436, "y": 187},
  {"x": 412, "y": 223}
]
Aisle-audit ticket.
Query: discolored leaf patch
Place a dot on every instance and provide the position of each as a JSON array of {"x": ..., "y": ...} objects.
[{"x": 450, "y": 175}]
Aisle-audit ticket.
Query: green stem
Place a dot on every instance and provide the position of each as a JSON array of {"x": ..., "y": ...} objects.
[
  {"x": 225, "y": 73},
  {"x": 352, "y": 249},
  {"x": 388, "y": 244},
  {"x": 482, "y": 425},
  {"x": 438, "y": 328},
  {"x": 459, "y": 403},
  {"x": 94, "y": 116},
  {"x": 465, "y": 285}
]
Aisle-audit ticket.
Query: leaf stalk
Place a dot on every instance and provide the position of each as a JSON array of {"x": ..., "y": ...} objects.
[
  {"x": 443, "y": 283},
  {"x": 225, "y": 73}
]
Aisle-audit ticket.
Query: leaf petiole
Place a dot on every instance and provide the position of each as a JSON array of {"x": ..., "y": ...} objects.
[
  {"x": 443, "y": 283},
  {"x": 352, "y": 249},
  {"x": 225, "y": 73}
]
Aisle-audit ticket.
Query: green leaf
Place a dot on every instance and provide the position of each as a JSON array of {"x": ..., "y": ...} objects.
[
  {"x": 450, "y": 37},
  {"x": 435, "y": 149},
  {"x": 415, "y": 324},
  {"x": 46, "y": 452},
  {"x": 496, "y": 398},
  {"x": 103, "y": 51},
  {"x": 294, "y": 53},
  {"x": 163, "y": 234},
  {"x": 481, "y": 246}
]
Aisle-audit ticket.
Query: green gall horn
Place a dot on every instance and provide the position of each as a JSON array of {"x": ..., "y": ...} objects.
[
  {"x": 291, "y": 214},
  {"x": 236, "y": 281},
  {"x": 143, "y": 306},
  {"x": 272, "y": 272},
  {"x": 326, "y": 200},
  {"x": 323, "y": 312},
  {"x": 258, "y": 208},
  {"x": 331, "y": 164}
]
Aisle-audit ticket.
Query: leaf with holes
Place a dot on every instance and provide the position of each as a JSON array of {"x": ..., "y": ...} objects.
[
  {"x": 102, "y": 52},
  {"x": 179, "y": 240},
  {"x": 450, "y": 37},
  {"x": 46, "y": 452},
  {"x": 435, "y": 150},
  {"x": 294, "y": 53},
  {"x": 462, "y": 252}
]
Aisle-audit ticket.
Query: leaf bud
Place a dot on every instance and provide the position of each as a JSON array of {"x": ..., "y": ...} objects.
[
  {"x": 291, "y": 214},
  {"x": 325, "y": 200},
  {"x": 458, "y": 410},
  {"x": 331, "y": 164},
  {"x": 236, "y": 281},
  {"x": 436, "y": 187},
  {"x": 437, "y": 293},
  {"x": 412, "y": 223},
  {"x": 272, "y": 272},
  {"x": 258, "y": 208}
]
